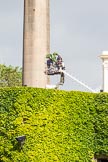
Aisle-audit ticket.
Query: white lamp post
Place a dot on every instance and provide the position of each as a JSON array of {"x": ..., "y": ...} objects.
[{"x": 104, "y": 57}]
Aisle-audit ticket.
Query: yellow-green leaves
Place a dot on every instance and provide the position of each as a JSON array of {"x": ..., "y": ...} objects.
[{"x": 59, "y": 126}]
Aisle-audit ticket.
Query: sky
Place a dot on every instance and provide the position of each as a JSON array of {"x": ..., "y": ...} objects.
[{"x": 79, "y": 32}]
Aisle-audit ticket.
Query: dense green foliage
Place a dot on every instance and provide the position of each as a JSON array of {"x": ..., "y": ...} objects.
[
  {"x": 10, "y": 76},
  {"x": 59, "y": 126},
  {"x": 101, "y": 124}
]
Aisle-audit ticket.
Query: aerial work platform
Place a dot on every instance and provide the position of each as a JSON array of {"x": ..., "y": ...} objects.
[{"x": 54, "y": 66}]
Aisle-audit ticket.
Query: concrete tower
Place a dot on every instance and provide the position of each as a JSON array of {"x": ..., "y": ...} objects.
[
  {"x": 104, "y": 58},
  {"x": 36, "y": 42}
]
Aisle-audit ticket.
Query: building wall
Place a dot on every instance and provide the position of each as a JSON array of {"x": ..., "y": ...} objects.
[{"x": 104, "y": 58}]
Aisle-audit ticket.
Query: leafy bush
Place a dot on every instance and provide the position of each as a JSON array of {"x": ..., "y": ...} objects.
[
  {"x": 59, "y": 126},
  {"x": 101, "y": 124},
  {"x": 10, "y": 76}
]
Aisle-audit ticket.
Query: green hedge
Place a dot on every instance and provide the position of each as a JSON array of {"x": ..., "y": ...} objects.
[{"x": 59, "y": 126}]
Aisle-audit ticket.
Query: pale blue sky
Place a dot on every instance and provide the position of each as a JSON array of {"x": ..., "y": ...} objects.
[{"x": 79, "y": 32}]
